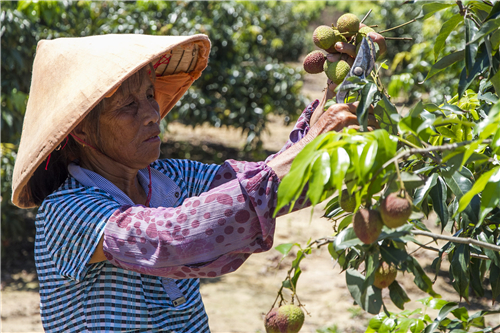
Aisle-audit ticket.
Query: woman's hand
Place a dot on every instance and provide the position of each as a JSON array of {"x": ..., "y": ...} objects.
[{"x": 337, "y": 117}]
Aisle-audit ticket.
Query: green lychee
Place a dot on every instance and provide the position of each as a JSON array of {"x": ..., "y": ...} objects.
[
  {"x": 347, "y": 201},
  {"x": 362, "y": 34},
  {"x": 349, "y": 24},
  {"x": 336, "y": 71},
  {"x": 395, "y": 209},
  {"x": 285, "y": 319},
  {"x": 367, "y": 225},
  {"x": 325, "y": 38},
  {"x": 385, "y": 275},
  {"x": 314, "y": 61}
]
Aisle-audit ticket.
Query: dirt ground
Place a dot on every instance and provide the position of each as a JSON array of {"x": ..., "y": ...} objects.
[{"x": 238, "y": 302}]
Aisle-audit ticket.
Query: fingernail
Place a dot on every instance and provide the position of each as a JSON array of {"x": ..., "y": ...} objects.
[{"x": 339, "y": 46}]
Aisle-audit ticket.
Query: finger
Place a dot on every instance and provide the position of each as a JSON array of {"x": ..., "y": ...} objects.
[
  {"x": 373, "y": 122},
  {"x": 341, "y": 108},
  {"x": 332, "y": 57},
  {"x": 380, "y": 40},
  {"x": 346, "y": 48},
  {"x": 331, "y": 86}
]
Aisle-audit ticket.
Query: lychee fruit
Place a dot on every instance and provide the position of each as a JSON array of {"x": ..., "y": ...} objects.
[
  {"x": 367, "y": 225},
  {"x": 325, "y": 38},
  {"x": 349, "y": 24},
  {"x": 347, "y": 201},
  {"x": 395, "y": 209},
  {"x": 336, "y": 71},
  {"x": 385, "y": 275},
  {"x": 314, "y": 61},
  {"x": 285, "y": 319}
]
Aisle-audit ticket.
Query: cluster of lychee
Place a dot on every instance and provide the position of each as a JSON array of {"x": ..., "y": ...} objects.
[
  {"x": 393, "y": 212},
  {"x": 325, "y": 37},
  {"x": 285, "y": 319}
]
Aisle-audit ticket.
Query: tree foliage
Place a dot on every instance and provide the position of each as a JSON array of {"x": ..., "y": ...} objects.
[{"x": 445, "y": 155}]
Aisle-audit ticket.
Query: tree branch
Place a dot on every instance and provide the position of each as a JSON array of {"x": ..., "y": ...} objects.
[
  {"x": 460, "y": 240},
  {"x": 430, "y": 248}
]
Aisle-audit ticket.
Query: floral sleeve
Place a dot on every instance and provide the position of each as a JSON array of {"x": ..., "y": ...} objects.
[{"x": 208, "y": 235}]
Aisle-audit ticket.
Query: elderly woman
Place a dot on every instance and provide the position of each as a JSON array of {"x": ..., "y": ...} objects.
[{"x": 122, "y": 237}]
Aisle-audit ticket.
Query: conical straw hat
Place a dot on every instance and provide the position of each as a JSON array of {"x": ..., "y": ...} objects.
[{"x": 72, "y": 75}]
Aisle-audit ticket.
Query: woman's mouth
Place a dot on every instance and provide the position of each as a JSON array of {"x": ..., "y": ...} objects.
[{"x": 153, "y": 139}]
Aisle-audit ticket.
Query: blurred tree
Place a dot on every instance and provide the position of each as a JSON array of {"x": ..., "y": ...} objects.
[{"x": 247, "y": 79}]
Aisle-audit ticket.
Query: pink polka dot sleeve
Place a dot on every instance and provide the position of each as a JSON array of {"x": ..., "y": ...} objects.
[{"x": 208, "y": 235}]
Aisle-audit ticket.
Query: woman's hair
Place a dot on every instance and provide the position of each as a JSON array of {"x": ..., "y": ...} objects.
[{"x": 50, "y": 175}]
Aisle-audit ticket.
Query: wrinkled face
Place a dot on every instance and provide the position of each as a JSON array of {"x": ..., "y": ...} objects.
[{"x": 129, "y": 123}]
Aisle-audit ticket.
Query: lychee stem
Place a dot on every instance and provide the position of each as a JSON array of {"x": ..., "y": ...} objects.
[
  {"x": 401, "y": 184},
  {"x": 366, "y": 16},
  {"x": 398, "y": 38},
  {"x": 398, "y": 26}
]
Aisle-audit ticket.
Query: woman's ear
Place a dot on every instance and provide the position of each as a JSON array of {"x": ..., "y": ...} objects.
[{"x": 80, "y": 134}]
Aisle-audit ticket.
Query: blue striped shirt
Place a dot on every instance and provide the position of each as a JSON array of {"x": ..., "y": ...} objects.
[{"x": 76, "y": 297}]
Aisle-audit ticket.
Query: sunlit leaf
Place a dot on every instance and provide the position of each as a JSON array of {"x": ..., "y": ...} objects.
[
  {"x": 370, "y": 299},
  {"x": 478, "y": 187},
  {"x": 445, "y": 31}
]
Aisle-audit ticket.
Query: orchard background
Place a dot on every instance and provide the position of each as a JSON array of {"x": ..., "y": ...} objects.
[{"x": 436, "y": 97}]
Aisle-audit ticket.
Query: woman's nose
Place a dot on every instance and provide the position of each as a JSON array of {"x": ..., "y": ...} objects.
[{"x": 150, "y": 111}]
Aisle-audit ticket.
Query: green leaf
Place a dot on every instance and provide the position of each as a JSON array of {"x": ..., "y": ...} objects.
[
  {"x": 461, "y": 313},
  {"x": 439, "y": 194},
  {"x": 459, "y": 270},
  {"x": 479, "y": 66},
  {"x": 445, "y": 310},
  {"x": 371, "y": 264},
  {"x": 285, "y": 248},
  {"x": 346, "y": 221},
  {"x": 393, "y": 255},
  {"x": 495, "y": 282},
  {"x": 367, "y": 158},
  {"x": 475, "y": 276},
  {"x": 470, "y": 48},
  {"x": 429, "y": 9},
  {"x": 367, "y": 94},
  {"x": 489, "y": 196},
  {"x": 398, "y": 295},
  {"x": 493, "y": 255},
  {"x": 340, "y": 163},
  {"x": 486, "y": 28},
  {"x": 370, "y": 299},
  {"x": 478, "y": 187},
  {"x": 445, "y": 62},
  {"x": 319, "y": 177},
  {"x": 445, "y": 31},
  {"x": 423, "y": 191},
  {"x": 421, "y": 279},
  {"x": 345, "y": 239}
]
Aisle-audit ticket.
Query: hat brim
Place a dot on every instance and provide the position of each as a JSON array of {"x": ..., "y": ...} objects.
[{"x": 72, "y": 75}]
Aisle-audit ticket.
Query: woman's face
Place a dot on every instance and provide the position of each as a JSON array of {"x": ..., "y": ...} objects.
[{"x": 129, "y": 123}]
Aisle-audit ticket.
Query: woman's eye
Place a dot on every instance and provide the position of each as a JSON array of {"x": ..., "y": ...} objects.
[{"x": 130, "y": 104}]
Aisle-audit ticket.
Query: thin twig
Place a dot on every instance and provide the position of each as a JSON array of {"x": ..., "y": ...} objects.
[
  {"x": 366, "y": 16},
  {"x": 398, "y": 38},
  {"x": 460, "y": 240},
  {"x": 398, "y": 26}
]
